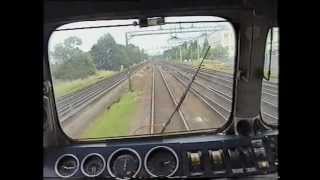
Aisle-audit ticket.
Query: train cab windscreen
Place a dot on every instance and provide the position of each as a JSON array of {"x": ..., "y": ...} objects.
[{"x": 121, "y": 78}]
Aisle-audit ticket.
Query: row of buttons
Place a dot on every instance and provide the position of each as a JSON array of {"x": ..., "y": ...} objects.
[{"x": 242, "y": 159}]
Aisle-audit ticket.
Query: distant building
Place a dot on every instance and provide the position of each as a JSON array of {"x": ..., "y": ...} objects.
[{"x": 225, "y": 38}]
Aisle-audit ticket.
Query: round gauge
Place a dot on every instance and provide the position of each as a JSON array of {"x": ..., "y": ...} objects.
[
  {"x": 161, "y": 161},
  {"x": 66, "y": 165},
  {"x": 93, "y": 165},
  {"x": 124, "y": 163}
]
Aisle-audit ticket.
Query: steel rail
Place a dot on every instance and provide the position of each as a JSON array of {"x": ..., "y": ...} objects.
[
  {"x": 268, "y": 86},
  {"x": 225, "y": 96},
  {"x": 229, "y": 98},
  {"x": 227, "y": 84},
  {"x": 220, "y": 93},
  {"x": 82, "y": 103},
  {"x": 152, "y": 103},
  {"x": 271, "y": 87},
  {"x": 230, "y": 76},
  {"x": 83, "y": 98},
  {"x": 206, "y": 100},
  {"x": 172, "y": 97},
  {"x": 69, "y": 96}
]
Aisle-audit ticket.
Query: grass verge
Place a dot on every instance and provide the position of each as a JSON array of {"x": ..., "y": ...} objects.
[
  {"x": 114, "y": 121},
  {"x": 62, "y": 88}
]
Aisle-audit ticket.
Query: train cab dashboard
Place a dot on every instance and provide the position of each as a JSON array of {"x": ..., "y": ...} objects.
[{"x": 207, "y": 156}]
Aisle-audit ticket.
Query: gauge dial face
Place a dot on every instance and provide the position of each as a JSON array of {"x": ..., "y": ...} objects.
[
  {"x": 93, "y": 165},
  {"x": 67, "y": 165},
  {"x": 124, "y": 164},
  {"x": 161, "y": 162}
]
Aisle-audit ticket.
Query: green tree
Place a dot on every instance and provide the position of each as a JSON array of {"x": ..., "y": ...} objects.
[
  {"x": 144, "y": 55},
  {"x": 220, "y": 53},
  {"x": 109, "y": 55},
  {"x": 72, "y": 42},
  {"x": 205, "y": 45},
  {"x": 103, "y": 52},
  {"x": 64, "y": 51},
  {"x": 71, "y": 62},
  {"x": 193, "y": 50},
  {"x": 134, "y": 53},
  {"x": 188, "y": 51}
]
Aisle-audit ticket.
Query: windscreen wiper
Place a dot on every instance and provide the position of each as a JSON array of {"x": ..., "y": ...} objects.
[{"x": 185, "y": 93}]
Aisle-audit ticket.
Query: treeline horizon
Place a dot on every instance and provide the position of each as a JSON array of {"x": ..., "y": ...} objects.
[
  {"x": 193, "y": 50},
  {"x": 69, "y": 62}
]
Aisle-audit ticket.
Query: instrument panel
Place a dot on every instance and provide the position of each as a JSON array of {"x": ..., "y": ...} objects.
[{"x": 204, "y": 156}]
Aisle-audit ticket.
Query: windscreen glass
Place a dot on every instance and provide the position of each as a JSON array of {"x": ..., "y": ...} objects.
[
  {"x": 116, "y": 79},
  {"x": 269, "y": 95}
]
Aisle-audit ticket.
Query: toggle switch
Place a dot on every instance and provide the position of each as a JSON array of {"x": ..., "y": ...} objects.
[
  {"x": 256, "y": 143},
  {"x": 196, "y": 167},
  {"x": 236, "y": 164},
  {"x": 263, "y": 164},
  {"x": 195, "y": 158},
  {"x": 260, "y": 152},
  {"x": 217, "y": 161}
]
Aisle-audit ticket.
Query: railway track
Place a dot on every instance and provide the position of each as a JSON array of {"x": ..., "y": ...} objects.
[
  {"x": 268, "y": 87},
  {"x": 221, "y": 95},
  {"x": 269, "y": 90},
  {"x": 269, "y": 93},
  {"x": 197, "y": 112},
  {"x": 163, "y": 104},
  {"x": 214, "y": 101},
  {"x": 69, "y": 105},
  {"x": 269, "y": 109},
  {"x": 270, "y": 84},
  {"x": 220, "y": 110}
]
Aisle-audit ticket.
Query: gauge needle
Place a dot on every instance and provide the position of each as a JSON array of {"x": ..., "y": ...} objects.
[
  {"x": 166, "y": 162},
  {"x": 68, "y": 167},
  {"x": 94, "y": 169},
  {"x": 125, "y": 165}
]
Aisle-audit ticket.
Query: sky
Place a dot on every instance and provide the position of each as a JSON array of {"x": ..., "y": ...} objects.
[{"x": 152, "y": 44}]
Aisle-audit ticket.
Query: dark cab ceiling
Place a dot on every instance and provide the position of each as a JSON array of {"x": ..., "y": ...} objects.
[{"x": 75, "y": 10}]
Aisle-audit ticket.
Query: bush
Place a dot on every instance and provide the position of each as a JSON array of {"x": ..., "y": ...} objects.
[{"x": 78, "y": 66}]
